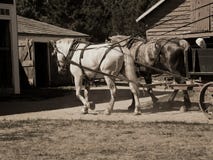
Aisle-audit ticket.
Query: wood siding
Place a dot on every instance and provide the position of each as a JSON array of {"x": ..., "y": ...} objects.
[
  {"x": 200, "y": 15},
  {"x": 176, "y": 19},
  {"x": 26, "y": 58}
]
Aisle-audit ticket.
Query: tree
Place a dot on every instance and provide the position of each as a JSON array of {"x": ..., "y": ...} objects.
[{"x": 98, "y": 18}]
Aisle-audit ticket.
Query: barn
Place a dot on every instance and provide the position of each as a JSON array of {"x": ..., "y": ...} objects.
[
  {"x": 9, "y": 73},
  {"x": 38, "y": 66},
  {"x": 188, "y": 19}
]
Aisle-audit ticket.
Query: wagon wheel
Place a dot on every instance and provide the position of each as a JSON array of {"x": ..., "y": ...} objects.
[{"x": 206, "y": 100}]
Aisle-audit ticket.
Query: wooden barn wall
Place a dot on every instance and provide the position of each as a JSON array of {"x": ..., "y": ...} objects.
[
  {"x": 184, "y": 19},
  {"x": 170, "y": 19},
  {"x": 201, "y": 16},
  {"x": 28, "y": 65}
]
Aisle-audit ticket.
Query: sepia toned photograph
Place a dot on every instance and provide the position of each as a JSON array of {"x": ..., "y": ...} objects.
[{"x": 106, "y": 80}]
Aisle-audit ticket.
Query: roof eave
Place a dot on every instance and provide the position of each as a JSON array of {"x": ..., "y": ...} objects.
[{"x": 150, "y": 10}]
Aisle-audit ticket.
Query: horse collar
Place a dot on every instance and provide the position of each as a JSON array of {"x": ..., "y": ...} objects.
[{"x": 72, "y": 50}]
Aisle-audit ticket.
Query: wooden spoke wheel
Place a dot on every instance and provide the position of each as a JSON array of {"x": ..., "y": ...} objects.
[{"x": 206, "y": 100}]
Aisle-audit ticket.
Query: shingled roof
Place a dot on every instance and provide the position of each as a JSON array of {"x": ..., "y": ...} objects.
[{"x": 30, "y": 26}]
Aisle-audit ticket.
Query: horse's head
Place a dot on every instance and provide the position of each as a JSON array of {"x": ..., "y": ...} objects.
[{"x": 61, "y": 50}]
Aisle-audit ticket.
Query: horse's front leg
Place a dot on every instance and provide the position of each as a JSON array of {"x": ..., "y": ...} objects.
[
  {"x": 148, "y": 80},
  {"x": 78, "y": 87},
  {"x": 111, "y": 85}
]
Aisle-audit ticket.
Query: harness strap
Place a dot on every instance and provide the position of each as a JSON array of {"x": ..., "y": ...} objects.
[
  {"x": 71, "y": 51},
  {"x": 137, "y": 51}
]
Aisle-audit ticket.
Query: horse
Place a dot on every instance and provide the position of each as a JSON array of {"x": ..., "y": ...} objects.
[
  {"x": 164, "y": 53},
  {"x": 86, "y": 60}
]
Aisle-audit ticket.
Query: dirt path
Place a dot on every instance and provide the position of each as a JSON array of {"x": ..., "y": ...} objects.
[{"x": 68, "y": 107}]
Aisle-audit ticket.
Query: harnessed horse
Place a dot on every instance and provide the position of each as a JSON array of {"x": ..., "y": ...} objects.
[
  {"x": 85, "y": 61},
  {"x": 166, "y": 54}
]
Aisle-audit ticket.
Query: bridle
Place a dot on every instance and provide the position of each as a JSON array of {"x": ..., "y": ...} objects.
[{"x": 65, "y": 59}]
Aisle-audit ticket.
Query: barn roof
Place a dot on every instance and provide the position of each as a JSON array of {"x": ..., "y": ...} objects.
[
  {"x": 34, "y": 27},
  {"x": 150, "y": 10}
]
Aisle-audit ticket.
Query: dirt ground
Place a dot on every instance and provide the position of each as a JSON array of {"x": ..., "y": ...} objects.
[
  {"x": 63, "y": 104},
  {"x": 49, "y": 126}
]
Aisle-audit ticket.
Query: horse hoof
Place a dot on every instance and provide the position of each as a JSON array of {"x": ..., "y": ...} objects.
[
  {"x": 107, "y": 112},
  {"x": 84, "y": 111},
  {"x": 91, "y": 105},
  {"x": 183, "y": 109},
  {"x": 137, "y": 113}
]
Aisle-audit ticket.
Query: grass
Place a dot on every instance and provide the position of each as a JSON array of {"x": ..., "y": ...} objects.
[{"x": 79, "y": 139}]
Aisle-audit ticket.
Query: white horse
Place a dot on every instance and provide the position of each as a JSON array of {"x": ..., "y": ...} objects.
[{"x": 108, "y": 59}]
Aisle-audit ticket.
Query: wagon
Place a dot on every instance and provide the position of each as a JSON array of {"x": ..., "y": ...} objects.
[
  {"x": 199, "y": 74},
  {"x": 199, "y": 65}
]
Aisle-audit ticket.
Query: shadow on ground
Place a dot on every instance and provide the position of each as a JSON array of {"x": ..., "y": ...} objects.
[{"x": 56, "y": 98}]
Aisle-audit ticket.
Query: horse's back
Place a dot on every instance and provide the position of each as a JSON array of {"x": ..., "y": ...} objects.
[{"x": 103, "y": 57}]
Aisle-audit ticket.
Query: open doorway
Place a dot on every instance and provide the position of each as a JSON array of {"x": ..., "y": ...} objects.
[
  {"x": 5, "y": 55},
  {"x": 41, "y": 64}
]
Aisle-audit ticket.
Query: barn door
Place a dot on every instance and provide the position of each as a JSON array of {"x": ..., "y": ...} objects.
[
  {"x": 5, "y": 53},
  {"x": 42, "y": 62},
  {"x": 26, "y": 58},
  {"x": 201, "y": 15}
]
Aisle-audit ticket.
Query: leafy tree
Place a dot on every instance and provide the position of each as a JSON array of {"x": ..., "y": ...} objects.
[{"x": 98, "y": 18}]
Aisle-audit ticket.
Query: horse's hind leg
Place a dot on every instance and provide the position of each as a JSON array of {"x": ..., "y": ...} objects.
[
  {"x": 186, "y": 101},
  {"x": 86, "y": 95},
  {"x": 78, "y": 87},
  {"x": 135, "y": 92},
  {"x": 148, "y": 80},
  {"x": 131, "y": 75},
  {"x": 111, "y": 85}
]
